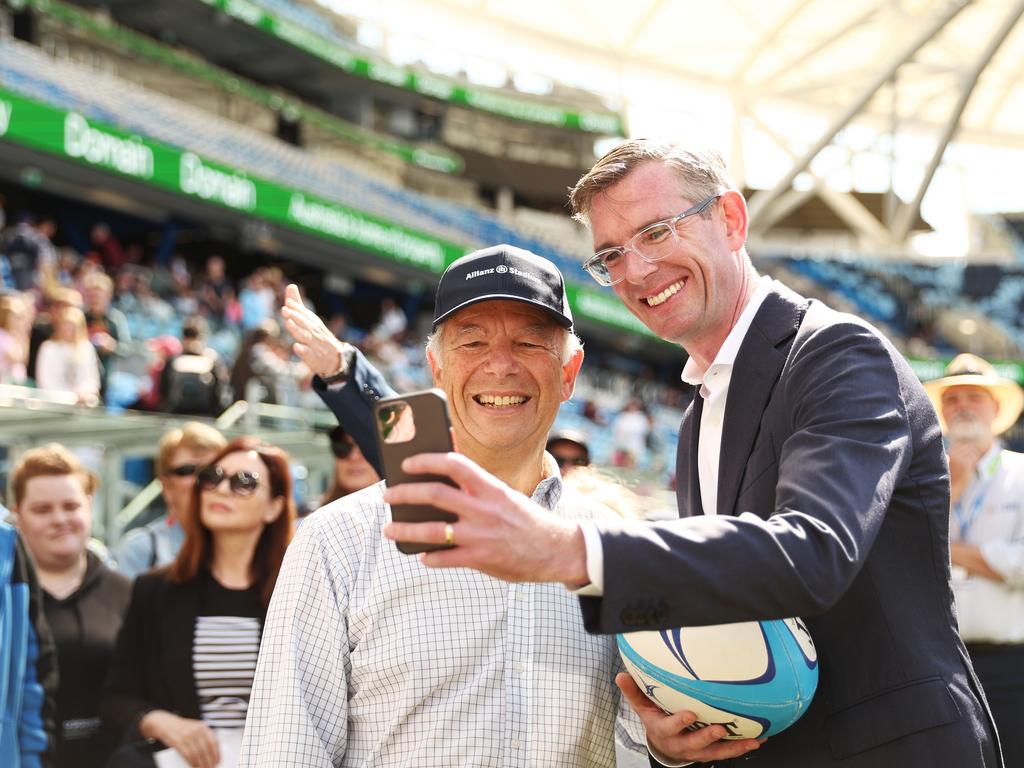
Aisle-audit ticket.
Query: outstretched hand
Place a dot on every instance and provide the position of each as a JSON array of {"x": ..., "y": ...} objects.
[
  {"x": 321, "y": 351},
  {"x": 669, "y": 735},
  {"x": 499, "y": 532}
]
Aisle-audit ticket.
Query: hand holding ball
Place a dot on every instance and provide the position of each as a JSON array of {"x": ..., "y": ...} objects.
[{"x": 753, "y": 678}]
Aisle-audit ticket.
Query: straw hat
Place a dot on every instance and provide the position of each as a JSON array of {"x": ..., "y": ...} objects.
[{"x": 971, "y": 370}]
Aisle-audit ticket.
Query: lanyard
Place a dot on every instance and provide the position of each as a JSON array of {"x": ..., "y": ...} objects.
[{"x": 965, "y": 519}]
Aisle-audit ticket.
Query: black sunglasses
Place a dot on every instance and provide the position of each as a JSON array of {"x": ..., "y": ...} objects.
[
  {"x": 241, "y": 483},
  {"x": 571, "y": 461},
  {"x": 341, "y": 449},
  {"x": 184, "y": 470}
]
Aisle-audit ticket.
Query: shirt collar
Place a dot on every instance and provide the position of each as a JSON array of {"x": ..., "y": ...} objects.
[{"x": 692, "y": 372}]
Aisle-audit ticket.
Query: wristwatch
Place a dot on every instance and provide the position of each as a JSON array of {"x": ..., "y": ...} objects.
[{"x": 348, "y": 358}]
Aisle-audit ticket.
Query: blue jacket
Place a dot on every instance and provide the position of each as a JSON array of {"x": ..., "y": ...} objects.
[{"x": 27, "y": 662}]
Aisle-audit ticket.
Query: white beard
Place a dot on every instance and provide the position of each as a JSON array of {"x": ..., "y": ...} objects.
[{"x": 967, "y": 429}]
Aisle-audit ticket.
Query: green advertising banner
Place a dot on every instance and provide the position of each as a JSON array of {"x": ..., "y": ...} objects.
[
  {"x": 73, "y": 136},
  {"x": 591, "y": 121},
  {"x": 434, "y": 158},
  {"x": 927, "y": 370}
]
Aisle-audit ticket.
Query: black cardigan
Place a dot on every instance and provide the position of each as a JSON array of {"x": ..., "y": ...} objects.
[{"x": 152, "y": 665}]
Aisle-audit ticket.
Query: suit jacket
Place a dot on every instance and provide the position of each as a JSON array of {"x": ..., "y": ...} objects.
[
  {"x": 834, "y": 503},
  {"x": 152, "y": 663},
  {"x": 352, "y": 405}
]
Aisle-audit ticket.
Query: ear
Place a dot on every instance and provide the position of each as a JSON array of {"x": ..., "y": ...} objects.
[
  {"x": 734, "y": 216},
  {"x": 435, "y": 368},
  {"x": 569, "y": 373}
]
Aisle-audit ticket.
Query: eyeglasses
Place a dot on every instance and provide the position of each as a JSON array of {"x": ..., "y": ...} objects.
[
  {"x": 652, "y": 243},
  {"x": 184, "y": 470},
  {"x": 342, "y": 449},
  {"x": 242, "y": 483}
]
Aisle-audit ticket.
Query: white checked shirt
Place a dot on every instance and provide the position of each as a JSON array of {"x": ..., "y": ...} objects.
[{"x": 371, "y": 659}]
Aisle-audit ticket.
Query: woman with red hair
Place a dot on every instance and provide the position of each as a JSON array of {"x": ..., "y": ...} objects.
[{"x": 185, "y": 657}]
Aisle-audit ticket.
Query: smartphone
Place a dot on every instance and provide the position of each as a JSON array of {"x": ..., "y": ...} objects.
[{"x": 406, "y": 425}]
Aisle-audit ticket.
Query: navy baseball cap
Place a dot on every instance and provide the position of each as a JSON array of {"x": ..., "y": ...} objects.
[{"x": 502, "y": 272}]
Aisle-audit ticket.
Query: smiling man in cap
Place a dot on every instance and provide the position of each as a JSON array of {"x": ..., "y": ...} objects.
[
  {"x": 368, "y": 658},
  {"x": 975, "y": 406}
]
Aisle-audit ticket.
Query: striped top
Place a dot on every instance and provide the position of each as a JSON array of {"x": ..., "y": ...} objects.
[{"x": 224, "y": 651}]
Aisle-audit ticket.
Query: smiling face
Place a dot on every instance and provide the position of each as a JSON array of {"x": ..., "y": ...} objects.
[
  {"x": 694, "y": 295},
  {"x": 55, "y": 518},
  {"x": 223, "y": 511},
  {"x": 501, "y": 368}
]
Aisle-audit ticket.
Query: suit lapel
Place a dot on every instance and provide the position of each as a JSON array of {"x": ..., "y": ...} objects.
[
  {"x": 687, "y": 482},
  {"x": 755, "y": 373}
]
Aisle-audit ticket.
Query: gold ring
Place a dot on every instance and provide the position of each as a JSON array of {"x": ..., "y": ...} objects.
[{"x": 449, "y": 535}]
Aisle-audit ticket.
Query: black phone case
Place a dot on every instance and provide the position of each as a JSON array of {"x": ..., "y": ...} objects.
[{"x": 433, "y": 435}]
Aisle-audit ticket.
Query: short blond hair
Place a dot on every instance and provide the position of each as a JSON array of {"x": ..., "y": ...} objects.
[
  {"x": 51, "y": 460},
  {"x": 701, "y": 172},
  {"x": 193, "y": 436}
]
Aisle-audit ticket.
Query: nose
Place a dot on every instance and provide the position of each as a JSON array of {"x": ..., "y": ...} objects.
[
  {"x": 501, "y": 361},
  {"x": 637, "y": 269}
]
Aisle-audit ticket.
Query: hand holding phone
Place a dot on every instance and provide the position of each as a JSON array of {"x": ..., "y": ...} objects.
[{"x": 406, "y": 425}]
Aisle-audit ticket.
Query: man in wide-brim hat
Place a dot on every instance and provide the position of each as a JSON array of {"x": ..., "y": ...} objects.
[{"x": 975, "y": 405}]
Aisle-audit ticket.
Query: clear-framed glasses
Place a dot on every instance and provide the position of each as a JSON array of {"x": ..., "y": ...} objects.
[{"x": 652, "y": 243}]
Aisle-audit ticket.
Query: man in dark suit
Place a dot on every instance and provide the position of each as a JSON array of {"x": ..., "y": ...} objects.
[{"x": 812, "y": 483}]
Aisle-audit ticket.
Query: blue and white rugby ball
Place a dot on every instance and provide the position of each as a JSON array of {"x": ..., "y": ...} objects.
[{"x": 754, "y": 678}]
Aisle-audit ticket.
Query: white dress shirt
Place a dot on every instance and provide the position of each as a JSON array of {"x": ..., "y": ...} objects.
[
  {"x": 369, "y": 658},
  {"x": 990, "y": 515},
  {"x": 714, "y": 388}
]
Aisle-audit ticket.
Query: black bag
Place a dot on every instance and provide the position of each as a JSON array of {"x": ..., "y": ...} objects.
[{"x": 190, "y": 386}]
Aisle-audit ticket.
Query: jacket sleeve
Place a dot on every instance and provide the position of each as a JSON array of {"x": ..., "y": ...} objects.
[
  {"x": 37, "y": 727},
  {"x": 124, "y": 700},
  {"x": 352, "y": 404}
]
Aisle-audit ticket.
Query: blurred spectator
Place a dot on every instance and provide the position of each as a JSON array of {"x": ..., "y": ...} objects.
[
  {"x": 84, "y": 600},
  {"x": 107, "y": 248},
  {"x": 28, "y": 661},
  {"x": 180, "y": 455},
  {"x": 67, "y": 361},
  {"x": 257, "y": 298},
  {"x": 15, "y": 329},
  {"x": 196, "y": 381},
  {"x": 569, "y": 449},
  {"x": 352, "y": 472},
  {"x": 30, "y": 252},
  {"x": 107, "y": 326},
  {"x": 57, "y": 299},
  {"x": 161, "y": 349},
  {"x": 629, "y": 430},
  {"x": 264, "y": 360},
  {"x": 392, "y": 323},
  {"x": 591, "y": 413},
  {"x": 186, "y": 655},
  {"x": 215, "y": 292}
]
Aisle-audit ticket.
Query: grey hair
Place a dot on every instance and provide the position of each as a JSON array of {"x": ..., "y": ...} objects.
[
  {"x": 570, "y": 344},
  {"x": 701, "y": 172}
]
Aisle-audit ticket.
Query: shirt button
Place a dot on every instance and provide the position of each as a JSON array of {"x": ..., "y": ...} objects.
[
  {"x": 515, "y": 743},
  {"x": 519, "y": 668}
]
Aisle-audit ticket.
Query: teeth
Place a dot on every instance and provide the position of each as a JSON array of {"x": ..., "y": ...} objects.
[
  {"x": 501, "y": 401},
  {"x": 654, "y": 301}
]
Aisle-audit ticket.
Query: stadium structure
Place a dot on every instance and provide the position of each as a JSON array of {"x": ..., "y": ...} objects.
[{"x": 271, "y": 133}]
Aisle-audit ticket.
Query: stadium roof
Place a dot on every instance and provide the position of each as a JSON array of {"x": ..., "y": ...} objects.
[{"x": 931, "y": 70}]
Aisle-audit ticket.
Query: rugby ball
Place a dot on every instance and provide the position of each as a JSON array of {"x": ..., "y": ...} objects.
[{"x": 754, "y": 678}]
